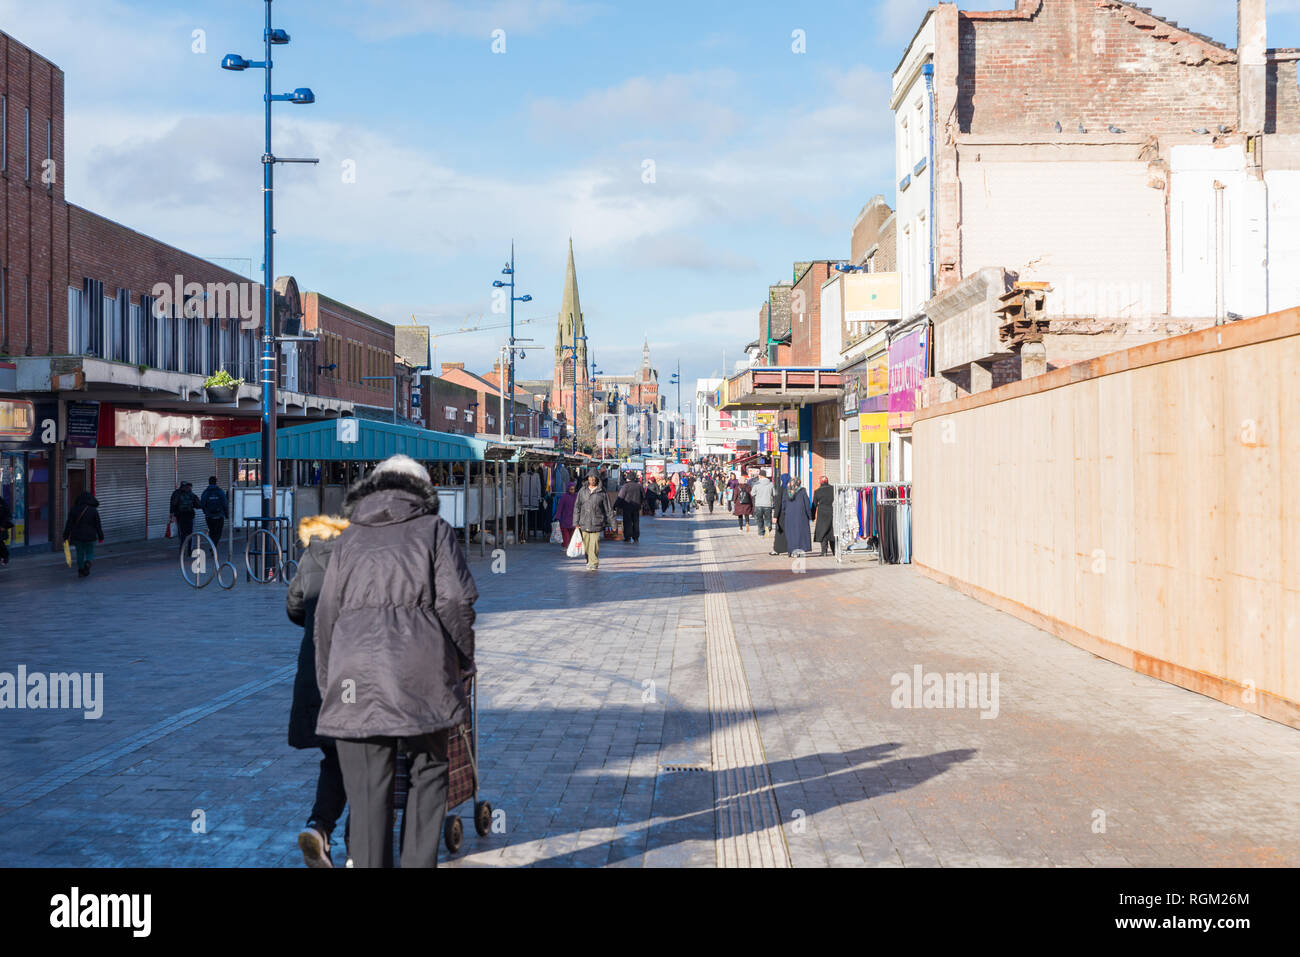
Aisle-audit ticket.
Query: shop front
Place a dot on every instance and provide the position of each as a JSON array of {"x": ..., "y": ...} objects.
[
  {"x": 28, "y": 431},
  {"x": 141, "y": 458}
]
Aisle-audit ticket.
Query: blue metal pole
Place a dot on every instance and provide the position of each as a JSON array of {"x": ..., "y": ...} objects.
[
  {"x": 510, "y": 396},
  {"x": 268, "y": 330}
]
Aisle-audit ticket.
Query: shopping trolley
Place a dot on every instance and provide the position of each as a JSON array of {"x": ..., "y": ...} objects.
[{"x": 462, "y": 777}]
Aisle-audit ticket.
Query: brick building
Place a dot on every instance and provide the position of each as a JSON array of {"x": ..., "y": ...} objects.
[
  {"x": 106, "y": 338},
  {"x": 448, "y": 406},
  {"x": 353, "y": 349},
  {"x": 488, "y": 404},
  {"x": 1148, "y": 177}
]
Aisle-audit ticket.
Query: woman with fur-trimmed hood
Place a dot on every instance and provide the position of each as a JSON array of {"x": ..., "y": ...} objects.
[
  {"x": 318, "y": 534},
  {"x": 394, "y": 641}
]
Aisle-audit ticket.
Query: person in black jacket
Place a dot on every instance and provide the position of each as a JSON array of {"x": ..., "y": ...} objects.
[
  {"x": 318, "y": 534},
  {"x": 823, "y": 513},
  {"x": 394, "y": 643},
  {"x": 6, "y": 523},
  {"x": 184, "y": 503},
  {"x": 83, "y": 529},
  {"x": 215, "y": 509}
]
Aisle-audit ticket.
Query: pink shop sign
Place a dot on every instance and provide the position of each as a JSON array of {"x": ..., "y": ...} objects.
[{"x": 909, "y": 360}]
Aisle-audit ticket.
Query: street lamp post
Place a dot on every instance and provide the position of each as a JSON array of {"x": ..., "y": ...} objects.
[
  {"x": 677, "y": 380},
  {"x": 498, "y": 284},
  {"x": 301, "y": 95}
]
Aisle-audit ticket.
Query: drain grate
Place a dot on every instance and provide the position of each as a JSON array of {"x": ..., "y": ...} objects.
[{"x": 675, "y": 768}]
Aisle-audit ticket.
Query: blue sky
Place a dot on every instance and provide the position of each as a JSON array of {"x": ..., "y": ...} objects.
[{"x": 762, "y": 157}]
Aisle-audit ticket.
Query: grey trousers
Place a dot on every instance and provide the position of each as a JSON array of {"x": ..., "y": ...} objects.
[{"x": 368, "y": 766}]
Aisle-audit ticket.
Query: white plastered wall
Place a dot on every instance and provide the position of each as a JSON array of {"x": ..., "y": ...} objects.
[{"x": 1094, "y": 229}]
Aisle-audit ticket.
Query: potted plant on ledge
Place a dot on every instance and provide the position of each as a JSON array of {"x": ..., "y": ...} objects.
[{"x": 222, "y": 387}]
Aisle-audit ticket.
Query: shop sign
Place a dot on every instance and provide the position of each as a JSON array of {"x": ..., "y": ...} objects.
[
  {"x": 28, "y": 425},
  {"x": 83, "y": 425},
  {"x": 853, "y": 385},
  {"x": 144, "y": 428},
  {"x": 873, "y": 427},
  {"x": 17, "y": 420},
  {"x": 783, "y": 448},
  {"x": 908, "y": 367},
  {"x": 878, "y": 375}
]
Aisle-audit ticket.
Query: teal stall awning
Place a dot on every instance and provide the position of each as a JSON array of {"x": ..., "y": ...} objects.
[{"x": 375, "y": 441}]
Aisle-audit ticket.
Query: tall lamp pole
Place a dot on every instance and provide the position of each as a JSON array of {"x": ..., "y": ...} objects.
[
  {"x": 302, "y": 95},
  {"x": 574, "y": 425},
  {"x": 677, "y": 380},
  {"x": 498, "y": 284}
]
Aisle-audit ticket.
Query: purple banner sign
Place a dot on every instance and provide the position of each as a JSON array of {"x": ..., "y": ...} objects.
[{"x": 909, "y": 359}]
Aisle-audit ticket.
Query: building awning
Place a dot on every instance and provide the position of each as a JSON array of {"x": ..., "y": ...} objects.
[
  {"x": 771, "y": 387},
  {"x": 376, "y": 441}
]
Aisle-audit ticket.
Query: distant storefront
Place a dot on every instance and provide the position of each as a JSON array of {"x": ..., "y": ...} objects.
[{"x": 28, "y": 433}]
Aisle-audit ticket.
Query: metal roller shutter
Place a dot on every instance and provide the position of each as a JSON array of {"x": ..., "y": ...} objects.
[
  {"x": 854, "y": 452},
  {"x": 195, "y": 465},
  {"x": 162, "y": 482},
  {"x": 831, "y": 459},
  {"x": 119, "y": 486}
]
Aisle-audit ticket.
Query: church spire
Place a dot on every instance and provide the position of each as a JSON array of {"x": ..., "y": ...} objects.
[{"x": 569, "y": 329}]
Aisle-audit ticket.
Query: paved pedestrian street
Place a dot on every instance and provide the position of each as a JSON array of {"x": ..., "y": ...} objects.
[{"x": 695, "y": 702}]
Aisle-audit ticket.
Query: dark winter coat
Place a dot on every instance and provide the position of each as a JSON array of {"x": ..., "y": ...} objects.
[
  {"x": 796, "y": 513},
  {"x": 823, "y": 507},
  {"x": 631, "y": 493},
  {"x": 591, "y": 512},
  {"x": 83, "y": 523},
  {"x": 213, "y": 503},
  {"x": 395, "y": 619},
  {"x": 743, "y": 501},
  {"x": 183, "y": 502},
  {"x": 778, "y": 514},
  {"x": 710, "y": 490},
  {"x": 304, "y": 591}
]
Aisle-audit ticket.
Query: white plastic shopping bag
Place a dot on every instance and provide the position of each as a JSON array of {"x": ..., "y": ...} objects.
[
  {"x": 576, "y": 548},
  {"x": 557, "y": 538}
]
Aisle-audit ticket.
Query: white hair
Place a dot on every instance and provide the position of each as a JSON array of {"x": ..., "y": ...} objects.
[{"x": 405, "y": 465}]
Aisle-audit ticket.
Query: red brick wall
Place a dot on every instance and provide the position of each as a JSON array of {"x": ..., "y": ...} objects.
[
  {"x": 1083, "y": 61},
  {"x": 121, "y": 258},
  {"x": 33, "y": 249},
  {"x": 805, "y": 321},
  {"x": 359, "y": 344}
]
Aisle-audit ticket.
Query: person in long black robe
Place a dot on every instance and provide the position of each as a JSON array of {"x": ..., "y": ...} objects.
[
  {"x": 796, "y": 517},
  {"x": 823, "y": 503},
  {"x": 778, "y": 530}
]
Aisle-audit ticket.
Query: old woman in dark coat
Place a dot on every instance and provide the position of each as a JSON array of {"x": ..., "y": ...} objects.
[
  {"x": 318, "y": 533},
  {"x": 796, "y": 514},
  {"x": 394, "y": 645}
]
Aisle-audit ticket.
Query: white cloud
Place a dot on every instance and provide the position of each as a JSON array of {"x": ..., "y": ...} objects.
[{"x": 642, "y": 107}]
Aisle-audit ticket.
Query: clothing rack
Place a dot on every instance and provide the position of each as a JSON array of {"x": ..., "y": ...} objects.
[{"x": 874, "y": 512}]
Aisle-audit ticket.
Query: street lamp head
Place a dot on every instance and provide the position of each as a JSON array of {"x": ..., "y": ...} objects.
[
  {"x": 497, "y": 284},
  {"x": 507, "y": 271},
  {"x": 233, "y": 61},
  {"x": 279, "y": 36},
  {"x": 525, "y": 298},
  {"x": 302, "y": 95}
]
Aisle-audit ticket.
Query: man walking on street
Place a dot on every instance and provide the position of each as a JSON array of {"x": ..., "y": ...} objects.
[
  {"x": 630, "y": 497},
  {"x": 764, "y": 495},
  {"x": 183, "y": 505},
  {"x": 593, "y": 515},
  {"x": 710, "y": 492},
  {"x": 215, "y": 510}
]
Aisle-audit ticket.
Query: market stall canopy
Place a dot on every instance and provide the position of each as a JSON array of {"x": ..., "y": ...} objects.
[
  {"x": 771, "y": 387},
  {"x": 375, "y": 441}
]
